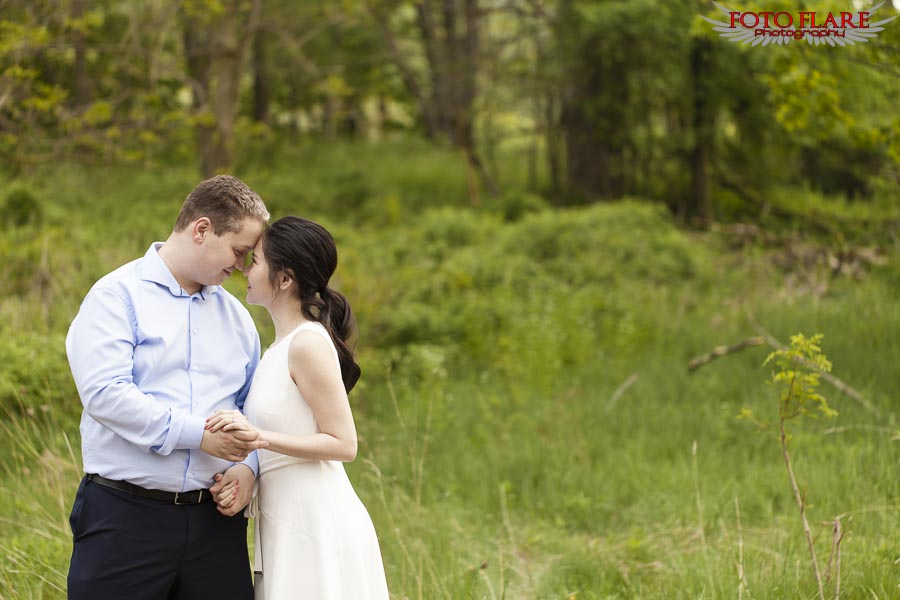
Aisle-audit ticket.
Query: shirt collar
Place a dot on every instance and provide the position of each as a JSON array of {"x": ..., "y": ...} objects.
[{"x": 154, "y": 269}]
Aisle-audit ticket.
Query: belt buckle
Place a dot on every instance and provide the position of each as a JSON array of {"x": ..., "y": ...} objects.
[{"x": 199, "y": 498}]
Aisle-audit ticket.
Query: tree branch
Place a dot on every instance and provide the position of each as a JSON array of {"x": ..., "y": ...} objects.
[{"x": 718, "y": 351}]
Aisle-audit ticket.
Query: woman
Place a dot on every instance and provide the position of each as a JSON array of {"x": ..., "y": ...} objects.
[{"x": 315, "y": 538}]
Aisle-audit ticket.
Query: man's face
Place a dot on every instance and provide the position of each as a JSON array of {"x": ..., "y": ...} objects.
[
  {"x": 259, "y": 288},
  {"x": 219, "y": 255}
]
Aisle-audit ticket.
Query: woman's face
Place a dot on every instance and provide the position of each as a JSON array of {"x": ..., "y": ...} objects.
[{"x": 259, "y": 290}]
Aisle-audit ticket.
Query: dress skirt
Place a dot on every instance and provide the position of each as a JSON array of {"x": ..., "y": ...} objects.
[{"x": 316, "y": 539}]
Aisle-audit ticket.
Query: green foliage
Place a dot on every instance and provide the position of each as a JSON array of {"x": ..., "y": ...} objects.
[
  {"x": 862, "y": 223},
  {"x": 351, "y": 191},
  {"x": 34, "y": 379},
  {"x": 24, "y": 252},
  {"x": 94, "y": 84},
  {"x": 21, "y": 207},
  {"x": 515, "y": 205},
  {"x": 111, "y": 84},
  {"x": 525, "y": 414},
  {"x": 491, "y": 293},
  {"x": 796, "y": 377}
]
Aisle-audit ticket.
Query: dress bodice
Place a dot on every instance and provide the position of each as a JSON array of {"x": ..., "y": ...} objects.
[{"x": 275, "y": 404}]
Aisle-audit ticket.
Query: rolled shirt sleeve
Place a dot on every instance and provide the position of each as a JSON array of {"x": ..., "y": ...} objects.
[
  {"x": 100, "y": 346},
  {"x": 252, "y": 461}
]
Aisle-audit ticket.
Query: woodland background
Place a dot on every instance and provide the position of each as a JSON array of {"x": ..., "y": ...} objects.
[{"x": 544, "y": 210}]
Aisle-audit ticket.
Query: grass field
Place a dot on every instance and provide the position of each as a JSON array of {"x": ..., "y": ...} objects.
[{"x": 528, "y": 424}]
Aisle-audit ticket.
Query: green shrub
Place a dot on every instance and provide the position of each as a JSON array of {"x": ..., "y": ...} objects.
[
  {"x": 21, "y": 207},
  {"x": 516, "y": 204},
  {"x": 35, "y": 377}
]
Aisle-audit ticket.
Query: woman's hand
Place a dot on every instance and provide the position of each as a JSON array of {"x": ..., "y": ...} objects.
[
  {"x": 233, "y": 489},
  {"x": 226, "y": 495},
  {"x": 223, "y": 419}
]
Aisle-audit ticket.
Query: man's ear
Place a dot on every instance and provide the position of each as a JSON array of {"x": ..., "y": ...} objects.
[{"x": 201, "y": 228}]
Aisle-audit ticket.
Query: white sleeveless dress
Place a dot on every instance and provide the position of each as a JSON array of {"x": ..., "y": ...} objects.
[{"x": 314, "y": 538}]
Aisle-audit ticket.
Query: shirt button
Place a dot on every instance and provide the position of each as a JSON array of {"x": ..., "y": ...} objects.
[{"x": 195, "y": 331}]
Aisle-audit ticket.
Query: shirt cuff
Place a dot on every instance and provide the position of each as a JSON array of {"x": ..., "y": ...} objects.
[
  {"x": 191, "y": 433},
  {"x": 251, "y": 461}
]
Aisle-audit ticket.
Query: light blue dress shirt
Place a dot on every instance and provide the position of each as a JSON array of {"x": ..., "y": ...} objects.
[{"x": 151, "y": 362}]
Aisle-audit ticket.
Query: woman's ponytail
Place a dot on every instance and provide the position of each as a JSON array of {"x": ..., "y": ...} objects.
[
  {"x": 335, "y": 314},
  {"x": 306, "y": 251}
]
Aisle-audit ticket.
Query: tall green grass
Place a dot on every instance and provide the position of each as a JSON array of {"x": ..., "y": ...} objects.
[{"x": 528, "y": 425}]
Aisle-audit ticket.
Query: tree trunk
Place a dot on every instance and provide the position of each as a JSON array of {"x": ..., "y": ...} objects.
[
  {"x": 453, "y": 100},
  {"x": 451, "y": 49},
  {"x": 416, "y": 90},
  {"x": 352, "y": 122},
  {"x": 594, "y": 117},
  {"x": 467, "y": 74},
  {"x": 226, "y": 68},
  {"x": 215, "y": 48},
  {"x": 697, "y": 206},
  {"x": 531, "y": 179},
  {"x": 438, "y": 98},
  {"x": 261, "y": 86},
  {"x": 554, "y": 146},
  {"x": 587, "y": 143},
  {"x": 587, "y": 155},
  {"x": 465, "y": 78},
  {"x": 330, "y": 116},
  {"x": 547, "y": 109},
  {"x": 382, "y": 115},
  {"x": 197, "y": 55},
  {"x": 81, "y": 83}
]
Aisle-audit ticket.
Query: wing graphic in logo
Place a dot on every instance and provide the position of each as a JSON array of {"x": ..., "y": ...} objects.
[
  {"x": 851, "y": 35},
  {"x": 747, "y": 35},
  {"x": 828, "y": 34}
]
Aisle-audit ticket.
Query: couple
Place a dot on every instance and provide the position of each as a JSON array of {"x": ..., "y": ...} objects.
[{"x": 181, "y": 416}]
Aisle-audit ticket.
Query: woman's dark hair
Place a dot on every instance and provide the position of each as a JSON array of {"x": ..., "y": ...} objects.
[{"x": 307, "y": 253}]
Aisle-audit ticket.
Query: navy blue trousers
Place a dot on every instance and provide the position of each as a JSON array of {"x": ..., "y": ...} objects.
[{"x": 133, "y": 548}]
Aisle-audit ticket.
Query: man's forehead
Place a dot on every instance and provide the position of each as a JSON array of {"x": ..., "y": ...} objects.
[{"x": 247, "y": 236}]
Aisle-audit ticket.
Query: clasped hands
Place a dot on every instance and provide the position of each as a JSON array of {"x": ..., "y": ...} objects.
[
  {"x": 229, "y": 435},
  {"x": 235, "y": 423}
]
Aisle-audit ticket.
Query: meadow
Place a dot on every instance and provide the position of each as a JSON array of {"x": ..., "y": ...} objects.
[{"x": 528, "y": 424}]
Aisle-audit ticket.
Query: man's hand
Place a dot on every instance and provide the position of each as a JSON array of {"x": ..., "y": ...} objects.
[
  {"x": 233, "y": 489},
  {"x": 231, "y": 445}
]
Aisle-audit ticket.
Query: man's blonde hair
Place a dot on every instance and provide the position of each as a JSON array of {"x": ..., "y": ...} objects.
[{"x": 226, "y": 201}]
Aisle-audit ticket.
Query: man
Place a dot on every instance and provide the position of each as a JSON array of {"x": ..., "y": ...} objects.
[{"x": 155, "y": 348}]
